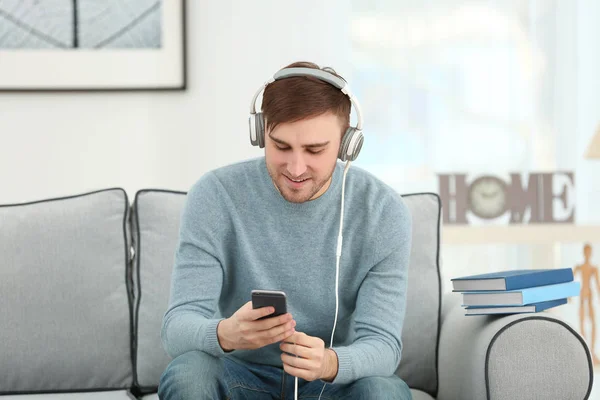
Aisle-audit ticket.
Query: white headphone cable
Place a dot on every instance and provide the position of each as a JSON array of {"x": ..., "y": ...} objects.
[{"x": 338, "y": 254}]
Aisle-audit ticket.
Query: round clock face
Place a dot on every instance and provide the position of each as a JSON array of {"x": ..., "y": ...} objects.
[{"x": 487, "y": 197}]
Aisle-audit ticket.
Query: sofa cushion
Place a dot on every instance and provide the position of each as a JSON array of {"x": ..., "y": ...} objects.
[
  {"x": 418, "y": 395},
  {"x": 155, "y": 216},
  {"x": 420, "y": 333},
  {"x": 65, "y": 294}
]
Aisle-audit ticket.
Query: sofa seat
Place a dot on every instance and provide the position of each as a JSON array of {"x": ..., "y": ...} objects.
[
  {"x": 105, "y": 395},
  {"x": 417, "y": 395}
]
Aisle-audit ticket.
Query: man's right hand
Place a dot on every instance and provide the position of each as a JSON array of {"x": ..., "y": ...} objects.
[{"x": 244, "y": 331}]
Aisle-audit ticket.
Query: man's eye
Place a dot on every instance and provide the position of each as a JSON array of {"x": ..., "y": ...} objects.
[
  {"x": 309, "y": 151},
  {"x": 315, "y": 151}
]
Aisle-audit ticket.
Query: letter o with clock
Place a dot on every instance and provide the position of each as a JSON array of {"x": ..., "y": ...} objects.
[{"x": 487, "y": 197}]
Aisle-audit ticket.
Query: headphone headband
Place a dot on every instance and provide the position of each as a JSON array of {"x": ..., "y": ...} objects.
[{"x": 316, "y": 73}]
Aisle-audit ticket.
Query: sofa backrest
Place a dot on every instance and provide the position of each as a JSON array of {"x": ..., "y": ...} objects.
[
  {"x": 66, "y": 294},
  {"x": 421, "y": 329},
  {"x": 155, "y": 220},
  {"x": 156, "y": 217}
]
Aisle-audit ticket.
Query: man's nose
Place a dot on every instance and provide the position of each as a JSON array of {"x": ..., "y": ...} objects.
[{"x": 296, "y": 165}]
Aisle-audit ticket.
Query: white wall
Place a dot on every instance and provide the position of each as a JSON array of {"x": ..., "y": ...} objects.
[
  {"x": 59, "y": 144},
  {"x": 588, "y": 115}
]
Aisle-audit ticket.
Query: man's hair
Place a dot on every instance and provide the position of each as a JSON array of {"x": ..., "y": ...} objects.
[{"x": 299, "y": 97}]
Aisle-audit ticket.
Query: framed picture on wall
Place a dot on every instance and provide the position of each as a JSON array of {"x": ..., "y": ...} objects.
[{"x": 90, "y": 45}]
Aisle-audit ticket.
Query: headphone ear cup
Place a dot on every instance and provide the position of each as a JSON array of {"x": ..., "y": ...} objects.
[
  {"x": 257, "y": 130},
  {"x": 351, "y": 144},
  {"x": 252, "y": 129},
  {"x": 260, "y": 130}
]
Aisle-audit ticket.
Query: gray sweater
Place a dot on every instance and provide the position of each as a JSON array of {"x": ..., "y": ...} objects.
[{"x": 238, "y": 234}]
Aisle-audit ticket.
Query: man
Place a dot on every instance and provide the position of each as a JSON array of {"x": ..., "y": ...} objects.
[{"x": 272, "y": 223}]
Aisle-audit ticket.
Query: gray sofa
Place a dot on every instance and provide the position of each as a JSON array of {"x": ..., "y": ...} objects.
[{"x": 85, "y": 280}]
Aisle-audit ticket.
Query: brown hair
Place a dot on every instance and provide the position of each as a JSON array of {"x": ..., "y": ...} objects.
[{"x": 299, "y": 97}]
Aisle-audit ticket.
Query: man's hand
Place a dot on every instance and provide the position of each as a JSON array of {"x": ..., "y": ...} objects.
[
  {"x": 313, "y": 361},
  {"x": 243, "y": 330}
]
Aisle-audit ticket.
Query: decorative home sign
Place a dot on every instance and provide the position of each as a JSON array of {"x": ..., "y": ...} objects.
[
  {"x": 542, "y": 198},
  {"x": 92, "y": 45}
]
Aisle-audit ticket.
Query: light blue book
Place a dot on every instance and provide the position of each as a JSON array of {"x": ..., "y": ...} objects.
[
  {"x": 530, "y": 308},
  {"x": 521, "y": 297}
]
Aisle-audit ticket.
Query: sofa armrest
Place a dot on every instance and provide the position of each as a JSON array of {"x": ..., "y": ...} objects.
[{"x": 520, "y": 356}]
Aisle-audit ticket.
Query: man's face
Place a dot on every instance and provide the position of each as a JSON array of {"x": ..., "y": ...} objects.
[{"x": 301, "y": 156}]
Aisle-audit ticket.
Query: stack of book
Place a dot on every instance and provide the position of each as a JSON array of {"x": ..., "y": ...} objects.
[{"x": 516, "y": 291}]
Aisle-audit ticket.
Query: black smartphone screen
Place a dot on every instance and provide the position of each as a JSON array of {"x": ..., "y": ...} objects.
[{"x": 274, "y": 298}]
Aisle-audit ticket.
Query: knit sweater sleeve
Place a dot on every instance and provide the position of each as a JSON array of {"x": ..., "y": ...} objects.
[
  {"x": 197, "y": 275},
  {"x": 381, "y": 301}
]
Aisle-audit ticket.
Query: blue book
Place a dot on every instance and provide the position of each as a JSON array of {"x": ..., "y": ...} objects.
[
  {"x": 521, "y": 297},
  {"x": 511, "y": 280},
  {"x": 530, "y": 308}
]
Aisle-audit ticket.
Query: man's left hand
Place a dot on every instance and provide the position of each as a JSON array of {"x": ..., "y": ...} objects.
[{"x": 313, "y": 361}]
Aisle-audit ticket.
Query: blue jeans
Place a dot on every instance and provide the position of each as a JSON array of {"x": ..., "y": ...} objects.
[{"x": 197, "y": 375}]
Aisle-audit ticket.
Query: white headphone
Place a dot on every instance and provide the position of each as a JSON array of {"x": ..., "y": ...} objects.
[{"x": 353, "y": 137}]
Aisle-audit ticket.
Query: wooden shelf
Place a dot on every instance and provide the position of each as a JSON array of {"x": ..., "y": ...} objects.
[{"x": 520, "y": 234}]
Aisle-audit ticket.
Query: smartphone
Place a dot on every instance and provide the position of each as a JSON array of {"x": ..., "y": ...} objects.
[{"x": 274, "y": 298}]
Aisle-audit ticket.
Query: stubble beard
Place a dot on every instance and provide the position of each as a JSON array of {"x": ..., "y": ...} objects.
[{"x": 297, "y": 195}]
